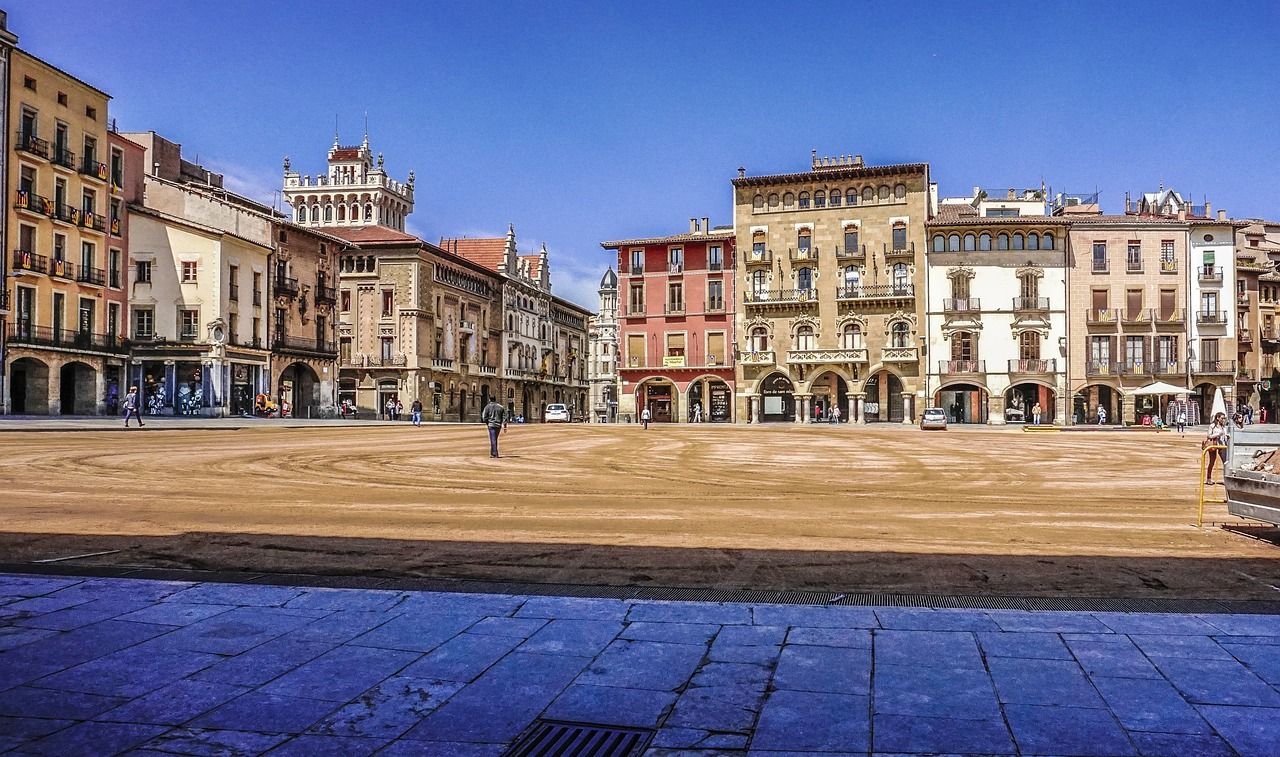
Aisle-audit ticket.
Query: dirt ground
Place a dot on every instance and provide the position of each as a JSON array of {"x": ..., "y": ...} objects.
[{"x": 848, "y": 508}]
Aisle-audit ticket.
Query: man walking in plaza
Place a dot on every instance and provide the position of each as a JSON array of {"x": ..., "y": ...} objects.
[
  {"x": 1035, "y": 414},
  {"x": 131, "y": 407},
  {"x": 644, "y": 418},
  {"x": 494, "y": 416},
  {"x": 416, "y": 410}
]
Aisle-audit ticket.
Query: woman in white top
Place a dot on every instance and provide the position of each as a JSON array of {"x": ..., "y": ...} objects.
[{"x": 1218, "y": 436}]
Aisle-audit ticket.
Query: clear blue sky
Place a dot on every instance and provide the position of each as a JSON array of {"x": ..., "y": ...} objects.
[{"x": 580, "y": 122}]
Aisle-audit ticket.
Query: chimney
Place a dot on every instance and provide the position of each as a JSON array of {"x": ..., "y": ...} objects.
[
  {"x": 742, "y": 172},
  {"x": 1222, "y": 214},
  {"x": 1012, "y": 194},
  {"x": 706, "y": 225},
  {"x": 1208, "y": 209},
  {"x": 857, "y": 161},
  {"x": 693, "y": 226}
]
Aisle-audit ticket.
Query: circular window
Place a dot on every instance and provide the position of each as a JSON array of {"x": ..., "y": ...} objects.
[{"x": 1208, "y": 237}]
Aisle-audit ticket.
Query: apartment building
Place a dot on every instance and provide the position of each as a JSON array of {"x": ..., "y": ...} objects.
[
  {"x": 831, "y": 267},
  {"x": 676, "y": 324}
]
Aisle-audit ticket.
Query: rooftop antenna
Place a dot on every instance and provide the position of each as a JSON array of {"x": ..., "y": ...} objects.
[
  {"x": 335, "y": 129},
  {"x": 366, "y": 128}
]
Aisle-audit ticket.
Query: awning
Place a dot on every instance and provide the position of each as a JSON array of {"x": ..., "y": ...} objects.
[{"x": 1160, "y": 387}]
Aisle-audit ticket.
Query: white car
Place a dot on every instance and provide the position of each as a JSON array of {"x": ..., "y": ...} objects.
[
  {"x": 556, "y": 413},
  {"x": 933, "y": 418}
]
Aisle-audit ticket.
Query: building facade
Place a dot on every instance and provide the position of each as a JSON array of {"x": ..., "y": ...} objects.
[
  {"x": 676, "y": 325},
  {"x": 304, "y": 319},
  {"x": 997, "y": 313},
  {"x": 831, "y": 267},
  {"x": 602, "y": 339},
  {"x": 8, "y": 41},
  {"x": 64, "y": 351}
]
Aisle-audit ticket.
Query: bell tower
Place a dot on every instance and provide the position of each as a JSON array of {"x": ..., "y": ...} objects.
[{"x": 354, "y": 190}]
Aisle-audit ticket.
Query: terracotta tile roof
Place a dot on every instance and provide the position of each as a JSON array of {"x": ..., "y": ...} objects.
[
  {"x": 716, "y": 234},
  {"x": 829, "y": 175},
  {"x": 346, "y": 153},
  {"x": 535, "y": 265},
  {"x": 372, "y": 235},
  {"x": 489, "y": 253},
  {"x": 972, "y": 219}
]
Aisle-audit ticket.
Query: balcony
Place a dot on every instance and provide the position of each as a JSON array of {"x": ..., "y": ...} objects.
[
  {"x": 954, "y": 367},
  {"x": 286, "y": 286},
  {"x": 675, "y": 268},
  {"x": 4, "y": 299},
  {"x": 1102, "y": 317},
  {"x": 22, "y": 332},
  {"x": 63, "y": 269},
  {"x": 66, "y": 213},
  {"x": 467, "y": 326},
  {"x": 962, "y": 305},
  {"x": 1033, "y": 366},
  {"x": 817, "y": 357},
  {"x": 1213, "y": 367},
  {"x": 1247, "y": 374},
  {"x": 385, "y": 361},
  {"x": 756, "y": 258},
  {"x": 781, "y": 297},
  {"x": 1030, "y": 304},
  {"x": 1174, "y": 317},
  {"x": 32, "y": 145},
  {"x": 715, "y": 265},
  {"x": 1133, "y": 368},
  {"x": 33, "y": 203},
  {"x": 1133, "y": 265},
  {"x": 1166, "y": 367},
  {"x": 93, "y": 276},
  {"x": 1210, "y": 274},
  {"x": 900, "y": 355},
  {"x": 673, "y": 308},
  {"x": 63, "y": 157},
  {"x": 1141, "y": 317},
  {"x": 1168, "y": 266},
  {"x": 303, "y": 344},
  {"x": 900, "y": 254},
  {"x": 95, "y": 169},
  {"x": 803, "y": 255},
  {"x": 92, "y": 222},
  {"x": 637, "y": 270},
  {"x": 326, "y": 294},
  {"x": 1100, "y": 368},
  {"x": 875, "y": 293},
  {"x": 26, "y": 261},
  {"x": 486, "y": 370},
  {"x": 1211, "y": 318},
  {"x": 115, "y": 227},
  {"x": 854, "y": 255},
  {"x": 762, "y": 357},
  {"x": 442, "y": 363},
  {"x": 715, "y": 306}
]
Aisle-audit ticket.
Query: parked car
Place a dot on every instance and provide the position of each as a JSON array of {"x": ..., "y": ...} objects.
[
  {"x": 557, "y": 413},
  {"x": 934, "y": 418}
]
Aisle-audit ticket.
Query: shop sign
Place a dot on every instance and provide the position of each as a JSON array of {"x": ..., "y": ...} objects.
[
  {"x": 719, "y": 403},
  {"x": 670, "y": 361}
]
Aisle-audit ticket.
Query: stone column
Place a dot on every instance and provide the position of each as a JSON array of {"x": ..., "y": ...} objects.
[
  {"x": 100, "y": 390},
  {"x": 995, "y": 410},
  {"x": 751, "y": 408},
  {"x": 800, "y": 410},
  {"x": 54, "y": 397},
  {"x": 906, "y": 408},
  {"x": 1126, "y": 410},
  {"x": 851, "y": 402}
]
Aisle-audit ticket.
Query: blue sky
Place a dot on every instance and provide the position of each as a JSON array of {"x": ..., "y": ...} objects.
[{"x": 585, "y": 121}]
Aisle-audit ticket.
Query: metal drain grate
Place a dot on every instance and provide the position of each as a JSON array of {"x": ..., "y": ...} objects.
[{"x": 551, "y": 738}]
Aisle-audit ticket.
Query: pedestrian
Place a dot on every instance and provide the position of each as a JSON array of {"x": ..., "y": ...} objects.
[
  {"x": 494, "y": 416},
  {"x": 284, "y": 408},
  {"x": 817, "y": 413},
  {"x": 644, "y": 418},
  {"x": 1217, "y": 437},
  {"x": 1035, "y": 414},
  {"x": 1102, "y": 415},
  {"x": 835, "y": 414},
  {"x": 1181, "y": 420},
  {"x": 1248, "y": 414},
  {"x": 131, "y": 407},
  {"x": 388, "y": 409},
  {"x": 416, "y": 409},
  {"x": 399, "y": 409}
]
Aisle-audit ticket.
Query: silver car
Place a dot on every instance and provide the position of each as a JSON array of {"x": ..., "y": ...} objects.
[{"x": 934, "y": 418}]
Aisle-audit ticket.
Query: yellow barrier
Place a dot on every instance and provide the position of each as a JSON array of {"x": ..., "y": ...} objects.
[{"x": 1204, "y": 473}]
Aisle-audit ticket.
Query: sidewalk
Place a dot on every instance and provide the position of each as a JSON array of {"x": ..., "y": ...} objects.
[{"x": 98, "y": 666}]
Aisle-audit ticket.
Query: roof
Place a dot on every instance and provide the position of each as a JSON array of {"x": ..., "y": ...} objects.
[
  {"x": 694, "y": 237},
  {"x": 70, "y": 76},
  {"x": 488, "y": 252},
  {"x": 829, "y": 175},
  {"x": 345, "y": 153},
  {"x": 965, "y": 215},
  {"x": 371, "y": 234},
  {"x": 535, "y": 265},
  {"x": 609, "y": 280}
]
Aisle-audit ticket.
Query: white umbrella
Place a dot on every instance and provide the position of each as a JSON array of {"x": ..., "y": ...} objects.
[
  {"x": 1159, "y": 387},
  {"x": 1219, "y": 404}
]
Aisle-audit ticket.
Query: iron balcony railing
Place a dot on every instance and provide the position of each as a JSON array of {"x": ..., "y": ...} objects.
[
  {"x": 63, "y": 269},
  {"x": 674, "y": 267},
  {"x": 1099, "y": 368},
  {"x": 1102, "y": 316},
  {"x": 23, "y": 332},
  {"x": 674, "y": 308},
  {"x": 1210, "y": 274},
  {"x": 1033, "y": 365},
  {"x": 26, "y": 200},
  {"x": 326, "y": 294},
  {"x": 946, "y": 367},
  {"x": 715, "y": 265},
  {"x": 854, "y": 253},
  {"x": 1166, "y": 367},
  {"x": 306, "y": 343},
  {"x": 1133, "y": 368},
  {"x": 67, "y": 213},
  {"x": 92, "y": 221},
  {"x": 757, "y": 257},
  {"x": 1213, "y": 366},
  {"x": 286, "y": 285},
  {"x": 875, "y": 291},
  {"x": 1168, "y": 266},
  {"x": 63, "y": 157},
  {"x": 899, "y": 251},
  {"x": 1211, "y": 317},
  {"x": 32, "y": 144},
  {"x": 1030, "y": 304},
  {"x": 1170, "y": 317},
  {"x": 962, "y": 305},
  {"x": 95, "y": 169},
  {"x": 90, "y": 275},
  {"x": 1139, "y": 316},
  {"x": 803, "y": 254},
  {"x": 636, "y": 270},
  {"x": 27, "y": 261},
  {"x": 781, "y": 295},
  {"x": 4, "y": 299}
]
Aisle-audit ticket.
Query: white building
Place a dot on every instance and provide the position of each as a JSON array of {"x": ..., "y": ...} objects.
[
  {"x": 356, "y": 191},
  {"x": 602, "y": 333},
  {"x": 1211, "y": 281}
]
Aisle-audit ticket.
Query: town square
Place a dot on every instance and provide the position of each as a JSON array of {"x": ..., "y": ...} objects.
[{"x": 629, "y": 380}]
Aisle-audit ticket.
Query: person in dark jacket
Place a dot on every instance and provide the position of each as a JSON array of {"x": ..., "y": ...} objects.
[
  {"x": 131, "y": 407},
  {"x": 494, "y": 416},
  {"x": 416, "y": 410}
]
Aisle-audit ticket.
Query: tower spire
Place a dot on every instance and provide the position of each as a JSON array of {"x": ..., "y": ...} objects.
[
  {"x": 335, "y": 129},
  {"x": 366, "y": 129}
]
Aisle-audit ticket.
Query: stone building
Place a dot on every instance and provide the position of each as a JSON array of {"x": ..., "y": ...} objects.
[
  {"x": 831, "y": 266},
  {"x": 997, "y": 310},
  {"x": 8, "y": 40},
  {"x": 1257, "y": 335},
  {"x": 602, "y": 347},
  {"x": 677, "y": 326},
  {"x": 64, "y": 351}
]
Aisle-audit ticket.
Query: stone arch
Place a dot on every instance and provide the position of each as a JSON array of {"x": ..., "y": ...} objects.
[{"x": 28, "y": 386}]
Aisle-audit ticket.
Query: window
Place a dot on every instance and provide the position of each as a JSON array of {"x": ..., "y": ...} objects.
[
  {"x": 1133, "y": 256},
  {"x": 1134, "y": 352},
  {"x": 851, "y": 240},
  {"x": 715, "y": 348},
  {"x": 344, "y": 300},
  {"x": 368, "y": 211},
  {"x": 1047, "y": 243},
  {"x": 899, "y": 235},
  {"x": 969, "y": 243},
  {"x": 757, "y": 203},
  {"x": 804, "y": 241},
  {"x": 637, "y": 261},
  {"x": 1002, "y": 241},
  {"x": 675, "y": 345},
  {"x": 758, "y": 250},
  {"x": 328, "y": 212},
  {"x": 900, "y": 279},
  {"x": 1168, "y": 263},
  {"x": 851, "y": 338},
  {"x": 257, "y": 291},
  {"x": 113, "y": 319},
  {"x": 88, "y": 256},
  {"x": 804, "y": 199},
  {"x": 760, "y": 285},
  {"x": 835, "y": 198},
  {"x": 27, "y": 181},
  {"x": 1099, "y": 257},
  {"x": 852, "y": 280},
  {"x": 189, "y": 272},
  {"x": 1003, "y": 213},
  {"x": 962, "y": 346},
  {"x": 804, "y": 338},
  {"x": 636, "y": 303},
  {"x": 1033, "y": 241},
  {"x": 882, "y": 193},
  {"x": 675, "y": 297},
  {"x": 1132, "y": 304},
  {"x": 1100, "y": 350},
  {"x": 188, "y": 324},
  {"x": 1029, "y": 288},
  {"x": 789, "y": 200},
  {"x": 1018, "y": 241},
  {"x": 635, "y": 349},
  {"x": 773, "y": 201},
  {"x": 675, "y": 259},
  {"x": 91, "y": 112},
  {"x": 89, "y": 202},
  {"x": 715, "y": 257},
  {"x": 302, "y": 213},
  {"x": 114, "y": 268},
  {"x": 1029, "y": 345},
  {"x": 1166, "y": 353},
  {"x": 388, "y": 349},
  {"x": 953, "y": 243},
  {"x": 900, "y": 335},
  {"x": 117, "y": 168},
  {"x": 868, "y": 194},
  {"x": 142, "y": 272},
  {"x": 1168, "y": 300},
  {"x": 1209, "y": 304},
  {"x": 388, "y": 302},
  {"x": 59, "y": 247},
  {"x": 29, "y": 83},
  {"x": 804, "y": 279},
  {"x": 984, "y": 241},
  {"x": 939, "y": 243},
  {"x": 960, "y": 288},
  {"x": 715, "y": 295},
  {"x": 759, "y": 339},
  {"x": 144, "y": 323},
  {"x": 819, "y": 199},
  {"x": 900, "y": 191}
]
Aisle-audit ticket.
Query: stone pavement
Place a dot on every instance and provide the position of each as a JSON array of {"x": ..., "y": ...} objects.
[{"x": 99, "y": 666}]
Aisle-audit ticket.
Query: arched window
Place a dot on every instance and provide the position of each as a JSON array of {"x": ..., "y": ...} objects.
[
  {"x": 342, "y": 213},
  {"x": 1018, "y": 241},
  {"x": 1048, "y": 240},
  {"x": 1002, "y": 241},
  {"x": 969, "y": 242},
  {"x": 773, "y": 201},
  {"x": 789, "y": 200},
  {"x": 759, "y": 339},
  {"x": 900, "y": 335},
  {"x": 804, "y": 279},
  {"x": 835, "y": 198},
  {"x": 984, "y": 241},
  {"x": 953, "y": 243},
  {"x": 901, "y": 279},
  {"x": 939, "y": 243},
  {"x": 851, "y": 338},
  {"x": 368, "y": 211},
  {"x": 868, "y": 194},
  {"x": 757, "y": 203},
  {"x": 804, "y": 338},
  {"x": 760, "y": 284},
  {"x": 1033, "y": 241},
  {"x": 900, "y": 191},
  {"x": 328, "y": 212},
  {"x": 852, "y": 276},
  {"x": 851, "y": 197},
  {"x": 302, "y": 214},
  {"x": 883, "y": 193},
  {"x": 804, "y": 199},
  {"x": 819, "y": 199}
]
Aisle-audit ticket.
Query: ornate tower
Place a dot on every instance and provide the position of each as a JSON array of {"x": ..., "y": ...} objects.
[
  {"x": 603, "y": 335},
  {"x": 355, "y": 191}
]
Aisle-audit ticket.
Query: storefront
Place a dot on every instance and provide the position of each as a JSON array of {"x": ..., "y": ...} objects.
[
  {"x": 1021, "y": 399},
  {"x": 777, "y": 399},
  {"x": 963, "y": 403}
]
